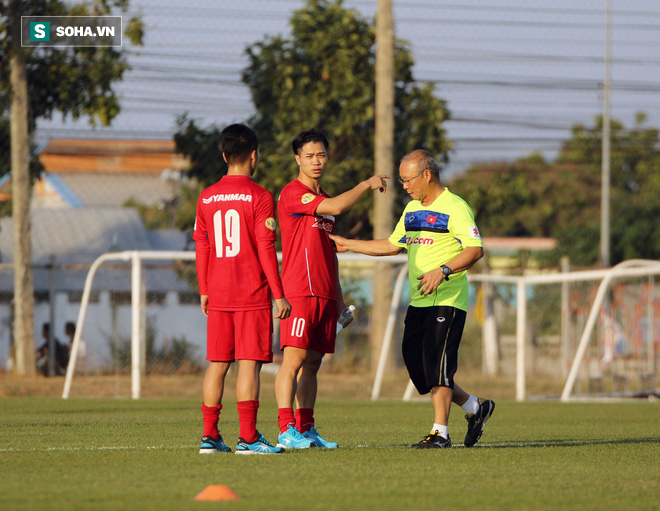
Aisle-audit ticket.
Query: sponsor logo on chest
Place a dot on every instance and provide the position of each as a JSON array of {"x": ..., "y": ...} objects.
[
  {"x": 325, "y": 222},
  {"x": 418, "y": 240}
]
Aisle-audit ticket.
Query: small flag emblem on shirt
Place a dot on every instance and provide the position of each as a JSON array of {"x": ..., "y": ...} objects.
[{"x": 431, "y": 219}]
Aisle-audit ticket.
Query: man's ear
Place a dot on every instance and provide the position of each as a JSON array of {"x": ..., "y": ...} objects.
[{"x": 224, "y": 158}]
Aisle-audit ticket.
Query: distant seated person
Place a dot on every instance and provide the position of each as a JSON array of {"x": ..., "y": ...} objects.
[
  {"x": 81, "y": 358},
  {"x": 42, "y": 354}
]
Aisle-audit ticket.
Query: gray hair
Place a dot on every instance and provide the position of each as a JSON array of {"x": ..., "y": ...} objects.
[{"x": 424, "y": 159}]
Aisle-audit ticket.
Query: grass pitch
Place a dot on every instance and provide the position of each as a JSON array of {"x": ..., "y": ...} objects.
[{"x": 122, "y": 454}]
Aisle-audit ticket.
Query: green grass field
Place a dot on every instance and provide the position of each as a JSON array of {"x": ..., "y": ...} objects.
[{"x": 122, "y": 454}]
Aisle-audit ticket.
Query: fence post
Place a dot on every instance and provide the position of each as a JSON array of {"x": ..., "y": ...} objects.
[
  {"x": 136, "y": 281},
  {"x": 565, "y": 316},
  {"x": 521, "y": 335}
]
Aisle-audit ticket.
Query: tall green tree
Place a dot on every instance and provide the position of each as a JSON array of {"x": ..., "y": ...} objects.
[
  {"x": 322, "y": 76},
  {"x": 635, "y": 185},
  {"x": 34, "y": 83},
  {"x": 561, "y": 199},
  {"x": 75, "y": 81}
]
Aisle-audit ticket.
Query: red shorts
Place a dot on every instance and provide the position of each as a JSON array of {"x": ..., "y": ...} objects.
[
  {"x": 312, "y": 324},
  {"x": 241, "y": 335}
]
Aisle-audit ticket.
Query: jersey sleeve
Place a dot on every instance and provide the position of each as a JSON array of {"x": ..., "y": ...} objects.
[
  {"x": 300, "y": 201},
  {"x": 464, "y": 228},
  {"x": 202, "y": 250},
  {"x": 398, "y": 236},
  {"x": 265, "y": 226}
]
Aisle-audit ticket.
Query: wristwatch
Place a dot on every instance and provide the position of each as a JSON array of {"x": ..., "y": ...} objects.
[{"x": 446, "y": 271}]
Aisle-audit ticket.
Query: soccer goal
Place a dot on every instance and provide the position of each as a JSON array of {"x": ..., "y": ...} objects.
[
  {"x": 132, "y": 352},
  {"x": 584, "y": 334},
  {"x": 139, "y": 316}
]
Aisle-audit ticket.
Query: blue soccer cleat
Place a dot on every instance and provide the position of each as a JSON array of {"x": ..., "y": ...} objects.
[
  {"x": 293, "y": 439},
  {"x": 318, "y": 440},
  {"x": 210, "y": 445},
  {"x": 259, "y": 446}
]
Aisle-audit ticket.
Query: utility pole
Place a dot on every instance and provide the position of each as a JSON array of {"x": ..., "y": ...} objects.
[
  {"x": 20, "y": 178},
  {"x": 383, "y": 219},
  {"x": 605, "y": 169}
]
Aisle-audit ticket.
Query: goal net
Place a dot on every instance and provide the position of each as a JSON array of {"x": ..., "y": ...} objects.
[{"x": 590, "y": 333}]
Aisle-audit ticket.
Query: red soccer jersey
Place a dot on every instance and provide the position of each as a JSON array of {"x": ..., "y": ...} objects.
[
  {"x": 308, "y": 255},
  {"x": 235, "y": 245}
]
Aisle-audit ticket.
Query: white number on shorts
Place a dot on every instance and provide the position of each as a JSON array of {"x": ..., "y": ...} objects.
[
  {"x": 231, "y": 231},
  {"x": 297, "y": 327}
]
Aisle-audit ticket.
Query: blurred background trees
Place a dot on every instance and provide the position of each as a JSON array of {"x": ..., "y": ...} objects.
[{"x": 561, "y": 198}]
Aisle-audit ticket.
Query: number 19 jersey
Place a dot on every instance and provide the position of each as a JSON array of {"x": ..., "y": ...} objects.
[{"x": 235, "y": 245}]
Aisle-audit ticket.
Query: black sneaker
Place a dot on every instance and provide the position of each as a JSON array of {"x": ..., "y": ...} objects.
[
  {"x": 477, "y": 421},
  {"x": 433, "y": 441}
]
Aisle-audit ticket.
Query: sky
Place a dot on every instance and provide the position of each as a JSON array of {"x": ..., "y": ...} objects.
[{"x": 516, "y": 74}]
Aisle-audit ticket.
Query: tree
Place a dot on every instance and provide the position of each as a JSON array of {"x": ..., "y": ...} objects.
[
  {"x": 561, "y": 199},
  {"x": 323, "y": 77},
  {"x": 35, "y": 82},
  {"x": 635, "y": 186}
]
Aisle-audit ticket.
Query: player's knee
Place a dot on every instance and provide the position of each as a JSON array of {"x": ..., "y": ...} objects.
[{"x": 313, "y": 363}]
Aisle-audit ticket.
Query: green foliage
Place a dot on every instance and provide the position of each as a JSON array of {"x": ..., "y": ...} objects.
[
  {"x": 530, "y": 197},
  {"x": 73, "y": 81},
  {"x": 323, "y": 77},
  {"x": 202, "y": 148}
]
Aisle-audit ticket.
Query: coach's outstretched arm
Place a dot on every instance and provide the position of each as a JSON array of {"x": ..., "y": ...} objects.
[{"x": 368, "y": 247}]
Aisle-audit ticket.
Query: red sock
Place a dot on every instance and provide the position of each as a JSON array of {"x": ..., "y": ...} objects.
[
  {"x": 284, "y": 418},
  {"x": 247, "y": 418},
  {"x": 304, "y": 419},
  {"x": 210, "y": 416}
]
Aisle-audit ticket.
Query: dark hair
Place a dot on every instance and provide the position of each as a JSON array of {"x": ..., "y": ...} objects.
[
  {"x": 70, "y": 326},
  {"x": 238, "y": 141},
  {"x": 305, "y": 137}
]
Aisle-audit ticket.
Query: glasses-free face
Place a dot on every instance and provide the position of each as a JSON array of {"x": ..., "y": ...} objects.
[
  {"x": 312, "y": 159},
  {"x": 409, "y": 180}
]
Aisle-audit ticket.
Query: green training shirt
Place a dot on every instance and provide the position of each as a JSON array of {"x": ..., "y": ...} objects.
[{"x": 434, "y": 235}]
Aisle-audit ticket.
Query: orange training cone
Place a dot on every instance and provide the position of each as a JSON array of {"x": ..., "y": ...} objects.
[{"x": 217, "y": 492}]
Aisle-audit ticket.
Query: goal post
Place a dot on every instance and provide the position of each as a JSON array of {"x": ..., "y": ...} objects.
[
  {"x": 522, "y": 287},
  {"x": 632, "y": 268},
  {"x": 531, "y": 316},
  {"x": 136, "y": 257}
]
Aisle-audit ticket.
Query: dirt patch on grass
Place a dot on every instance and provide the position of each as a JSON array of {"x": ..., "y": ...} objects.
[{"x": 334, "y": 383}]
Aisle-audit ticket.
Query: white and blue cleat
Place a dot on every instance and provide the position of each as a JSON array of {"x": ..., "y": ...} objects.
[
  {"x": 293, "y": 439},
  {"x": 318, "y": 440},
  {"x": 259, "y": 446},
  {"x": 210, "y": 445}
]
